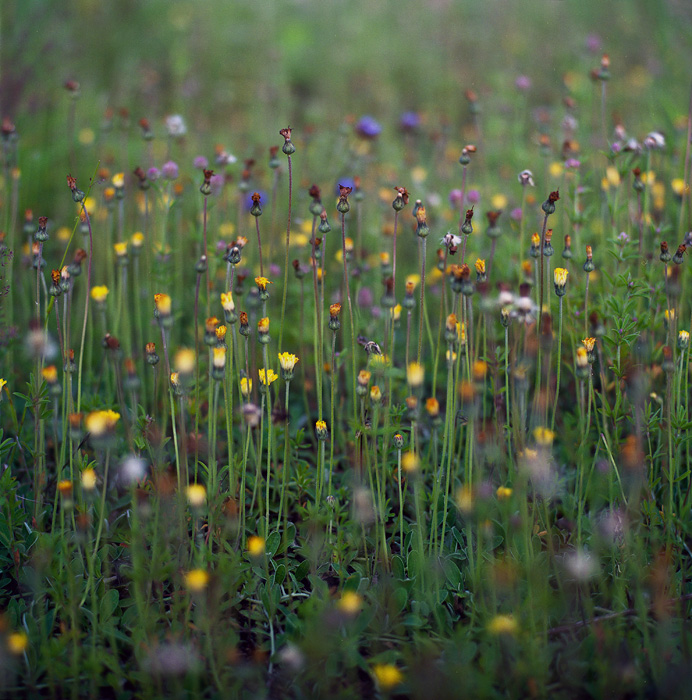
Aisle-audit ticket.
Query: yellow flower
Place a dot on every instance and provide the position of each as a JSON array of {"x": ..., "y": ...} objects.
[
  {"x": 17, "y": 643},
  {"x": 321, "y": 430},
  {"x": 364, "y": 377},
  {"x": 262, "y": 283},
  {"x": 396, "y": 313},
  {"x": 50, "y": 374},
  {"x": 503, "y": 493},
  {"x": 3, "y": 384},
  {"x": 196, "y": 580},
  {"x": 137, "y": 239},
  {"x": 99, "y": 293},
  {"x": 612, "y": 176},
  {"x": 480, "y": 368},
  {"x": 464, "y": 499},
  {"x": 560, "y": 276},
  {"x": 555, "y": 169},
  {"x": 184, "y": 361},
  {"x": 480, "y": 266},
  {"x": 589, "y": 343},
  {"x": 375, "y": 394},
  {"x": 255, "y": 546},
  {"x": 196, "y": 495},
  {"x": 266, "y": 378},
  {"x": 678, "y": 187},
  {"x": 388, "y": 676},
  {"x": 543, "y": 436},
  {"x": 65, "y": 488},
  {"x": 219, "y": 356},
  {"x": 287, "y": 361},
  {"x": 413, "y": 279},
  {"x": 535, "y": 240},
  {"x": 245, "y": 386},
  {"x": 263, "y": 325},
  {"x": 227, "y": 301},
  {"x": 88, "y": 479},
  {"x": 350, "y": 603},
  {"x": 503, "y": 625},
  {"x": 384, "y": 258},
  {"x": 415, "y": 374},
  {"x": 99, "y": 422},
  {"x": 118, "y": 180},
  {"x": 498, "y": 201},
  {"x": 221, "y": 334},
  {"x": 432, "y": 406},
  {"x": 582, "y": 357},
  {"x": 409, "y": 462},
  {"x": 163, "y": 304}
]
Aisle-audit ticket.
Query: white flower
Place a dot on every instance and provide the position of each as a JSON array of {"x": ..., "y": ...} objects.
[
  {"x": 450, "y": 239},
  {"x": 525, "y": 177},
  {"x": 175, "y": 125},
  {"x": 655, "y": 141}
]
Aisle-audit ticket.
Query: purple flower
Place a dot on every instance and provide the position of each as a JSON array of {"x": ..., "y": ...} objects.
[
  {"x": 170, "y": 170},
  {"x": 216, "y": 183},
  {"x": 153, "y": 174},
  {"x": 455, "y": 198},
  {"x": 409, "y": 121},
  {"x": 593, "y": 43},
  {"x": 573, "y": 163},
  {"x": 516, "y": 214},
  {"x": 368, "y": 127},
  {"x": 522, "y": 82},
  {"x": 473, "y": 196},
  {"x": 274, "y": 270},
  {"x": 201, "y": 163},
  {"x": 365, "y": 297}
]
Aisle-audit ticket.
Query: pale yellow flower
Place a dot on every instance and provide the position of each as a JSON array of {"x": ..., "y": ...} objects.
[{"x": 99, "y": 293}]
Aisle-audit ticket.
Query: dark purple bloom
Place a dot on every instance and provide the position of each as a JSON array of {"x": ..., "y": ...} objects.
[{"x": 368, "y": 127}]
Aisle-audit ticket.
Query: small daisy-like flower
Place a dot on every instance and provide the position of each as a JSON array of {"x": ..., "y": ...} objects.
[
  {"x": 503, "y": 493},
  {"x": 100, "y": 422},
  {"x": 120, "y": 249},
  {"x": 288, "y": 362},
  {"x": 267, "y": 377},
  {"x": 415, "y": 374},
  {"x": 683, "y": 340},
  {"x": 263, "y": 325},
  {"x": 321, "y": 430},
  {"x": 560, "y": 278},
  {"x": 245, "y": 386},
  {"x": 227, "y": 301},
  {"x": 88, "y": 477},
  {"x": 543, "y": 436},
  {"x": 350, "y": 603},
  {"x": 196, "y": 580},
  {"x": 118, "y": 181},
  {"x": 137, "y": 239},
  {"x": 255, "y": 546},
  {"x": 196, "y": 495},
  {"x": 99, "y": 293},
  {"x": 503, "y": 625},
  {"x": 589, "y": 343},
  {"x": 162, "y": 303},
  {"x": 388, "y": 676},
  {"x": 262, "y": 283},
  {"x": 375, "y": 394}
]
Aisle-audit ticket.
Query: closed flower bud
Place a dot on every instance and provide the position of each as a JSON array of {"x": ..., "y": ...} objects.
[{"x": 321, "y": 430}]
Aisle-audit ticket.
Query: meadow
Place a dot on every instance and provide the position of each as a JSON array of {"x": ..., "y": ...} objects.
[{"x": 345, "y": 373}]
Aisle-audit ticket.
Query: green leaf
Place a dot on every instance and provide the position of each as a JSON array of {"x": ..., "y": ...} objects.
[
  {"x": 273, "y": 542},
  {"x": 108, "y": 604}
]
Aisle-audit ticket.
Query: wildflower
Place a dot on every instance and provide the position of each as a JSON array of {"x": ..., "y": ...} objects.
[
  {"x": 410, "y": 462},
  {"x": 655, "y": 141},
  {"x": 363, "y": 381},
  {"x": 88, "y": 478},
  {"x": 244, "y": 324},
  {"x": 99, "y": 293},
  {"x": 398, "y": 440},
  {"x": 549, "y": 205},
  {"x": 422, "y": 229},
  {"x": 503, "y": 493},
  {"x": 170, "y": 170},
  {"x": 255, "y": 546},
  {"x": 543, "y": 436},
  {"x": 503, "y": 625},
  {"x": 175, "y": 125},
  {"x": 582, "y": 361},
  {"x": 334, "y": 322},
  {"x": 560, "y": 278},
  {"x": 196, "y": 495},
  {"x": 401, "y": 199},
  {"x": 387, "y": 676},
  {"x": 3, "y": 384},
  {"x": 263, "y": 330},
  {"x": 678, "y": 257},
  {"x": 368, "y": 127},
  {"x": 350, "y": 603},
  {"x": 50, "y": 374},
  {"x": 184, "y": 361},
  {"x": 221, "y": 335},
  {"x": 288, "y": 148},
  {"x": 480, "y": 368},
  {"x": 321, "y": 430},
  {"x": 100, "y": 422},
  {"x": 162, "y": 303},
  {"x": 218, "y": 361},
  {"x": 375, "y": 394},
  {"x": 432, "y": 406},
  {"x": 464, "y": 499},
  {"x": 262, "y": 283},
  {"x": 267, "y": 377},
  {"x": 288, "y": 362},
  {"x": 17, "y": 642},
  {"x": 480, "y": 270},
  {"x": 245, "y": 386},
  {"x": 65, "y": 488},
  {"x": 196, "y": 580},
  {"x": 152, "y": 357},
  {"x": 683, "y": 340},
  {"x": 120, "y": 250},
  {"x": 415, "y": 373},
  {"x": 451, "y": 335},
  {"x": 548, "y": 249}
]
